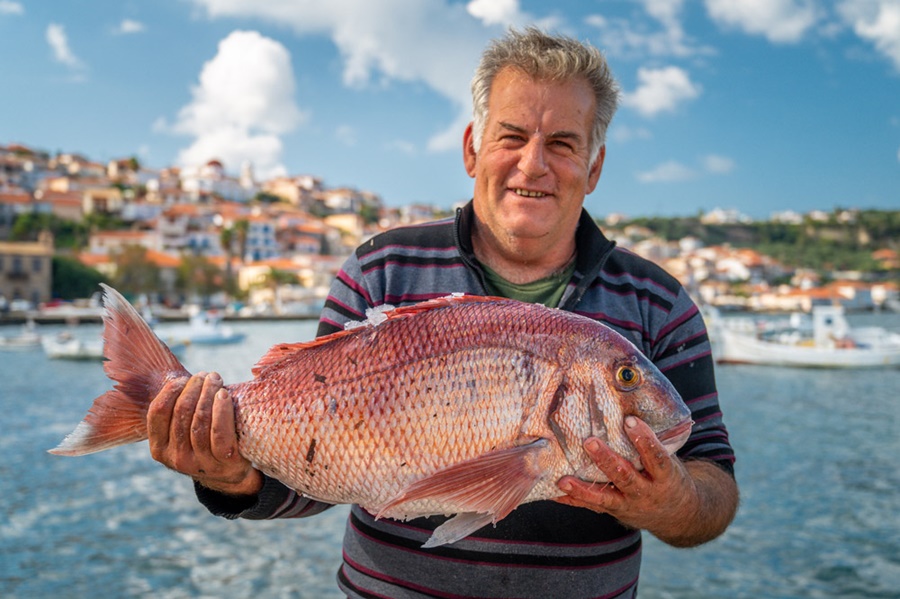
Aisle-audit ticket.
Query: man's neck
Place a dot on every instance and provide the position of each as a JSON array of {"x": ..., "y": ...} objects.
[{"x": 519, "y": 260}]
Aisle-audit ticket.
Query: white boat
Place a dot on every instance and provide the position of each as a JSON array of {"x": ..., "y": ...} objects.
[
  {"x": 822, "y": 340},
  {"x": 204, "y": 328},
  {"x": 28, "y": 338},
  {"x": 66, "y": 346}
]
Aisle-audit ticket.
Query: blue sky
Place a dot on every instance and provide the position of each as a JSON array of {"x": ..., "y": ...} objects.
[{"x": 755, "y": 105}]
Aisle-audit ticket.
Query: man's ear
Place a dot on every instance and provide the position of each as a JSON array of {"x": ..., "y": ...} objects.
[
  {"x": 469, "y": 154},
  {"x": 596, "y": 169}
]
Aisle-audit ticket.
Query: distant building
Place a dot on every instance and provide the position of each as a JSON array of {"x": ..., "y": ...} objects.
[
  {"x": 719, "y": 216},
  {"x": 26, "y": 270},
  {"x": 212, "y": 180}
]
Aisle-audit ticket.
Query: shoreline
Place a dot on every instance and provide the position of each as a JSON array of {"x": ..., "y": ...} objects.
[{"x": 43, "y": 318}]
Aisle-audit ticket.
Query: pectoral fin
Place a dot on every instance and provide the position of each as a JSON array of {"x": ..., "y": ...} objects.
[{"x": 482, "y": 490}]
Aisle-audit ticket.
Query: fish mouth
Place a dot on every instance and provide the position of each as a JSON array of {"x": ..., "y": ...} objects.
[{"x": 674, "y": 437}]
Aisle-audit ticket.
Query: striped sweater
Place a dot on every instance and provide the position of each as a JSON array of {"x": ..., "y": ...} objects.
[{"x": 542, "y": 549}]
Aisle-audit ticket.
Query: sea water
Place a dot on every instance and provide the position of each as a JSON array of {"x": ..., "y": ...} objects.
[{"x": 817, "y": 466}]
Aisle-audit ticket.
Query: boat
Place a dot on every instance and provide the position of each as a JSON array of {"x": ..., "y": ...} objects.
[
  {"x": 203, "y": 328},
  {"x": 28, "y": 338},
  {"x": 66, "y": 346},
  {"x": 822, "y": 339}
]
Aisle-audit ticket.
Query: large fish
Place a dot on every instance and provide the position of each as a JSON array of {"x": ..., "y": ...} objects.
[{"x": 464, "y": 405}]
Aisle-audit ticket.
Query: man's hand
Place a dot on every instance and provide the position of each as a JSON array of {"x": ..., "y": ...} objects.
[
  {"x": 682, "y": 503},
  {"x": 191, "y": 430}
]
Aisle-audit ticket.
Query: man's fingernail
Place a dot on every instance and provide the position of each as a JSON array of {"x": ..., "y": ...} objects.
[
  {"x": 565, "y": 486},
  {"x": 592, "y": 445},
  {"x": 215, "y": 377},
  {"x": 630, "y": 421}
]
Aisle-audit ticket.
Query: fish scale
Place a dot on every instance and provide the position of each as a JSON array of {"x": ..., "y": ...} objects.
[
  {"x": 433, "y": 421},
  {"x": 463, "y": 405}
]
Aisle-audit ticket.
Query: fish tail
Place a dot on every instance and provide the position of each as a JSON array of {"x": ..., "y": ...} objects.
[{"x": 140, "y": 364}]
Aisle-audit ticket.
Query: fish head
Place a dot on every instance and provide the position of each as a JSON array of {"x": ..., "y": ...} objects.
[{"x": 626, "y": 383}]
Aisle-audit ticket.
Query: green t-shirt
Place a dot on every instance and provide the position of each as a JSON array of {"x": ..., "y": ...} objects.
[{"x": 547, "y": 291}]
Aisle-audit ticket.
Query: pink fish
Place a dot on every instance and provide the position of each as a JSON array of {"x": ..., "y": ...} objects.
[{"x": 464, "y": 405}]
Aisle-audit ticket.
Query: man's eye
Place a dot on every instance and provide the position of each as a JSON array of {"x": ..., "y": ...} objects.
[{"x": 563, "y": 145}]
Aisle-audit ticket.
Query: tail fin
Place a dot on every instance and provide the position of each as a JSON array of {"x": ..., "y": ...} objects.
[{"x": 139, "y": 363}]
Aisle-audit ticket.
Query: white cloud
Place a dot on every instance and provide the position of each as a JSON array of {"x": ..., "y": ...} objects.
[
  {"x": 624, "y": 133},
  {"x": 59, "y": 43},
  {"x": 661, "y": 90},
  {"x": 876, "y": 21},
  {"x": 673, "y": 171},
  {"x": 667, "y": 172},
  {"x": 780, "y": 21},
  {"x": 244, "y": 101},
  {"x": 495, "y": 12},
  {"x": 718, "y": 165},
  {"x": 129, "y": 26},
  {"x": 436, "y": 43},
  {"x": 626, "y": 37},
  {"x": 7, "y": 7},
  {"x": 402, "y": 146}
]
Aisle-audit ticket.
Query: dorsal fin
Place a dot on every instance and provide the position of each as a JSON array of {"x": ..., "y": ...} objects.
[{"x": 283, "y": 351}]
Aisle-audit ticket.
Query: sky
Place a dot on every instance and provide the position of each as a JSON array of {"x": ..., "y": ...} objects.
[{"x": 758, "y": 106}]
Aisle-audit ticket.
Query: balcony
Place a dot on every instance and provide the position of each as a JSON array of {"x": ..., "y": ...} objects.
[{"x": 17, "y": 276}]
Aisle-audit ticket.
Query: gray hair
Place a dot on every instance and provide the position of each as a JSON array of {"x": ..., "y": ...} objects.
[{"x": 546, "y": 57}]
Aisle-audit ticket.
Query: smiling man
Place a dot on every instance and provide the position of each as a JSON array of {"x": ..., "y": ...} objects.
[{"x": 542, "y": 105}]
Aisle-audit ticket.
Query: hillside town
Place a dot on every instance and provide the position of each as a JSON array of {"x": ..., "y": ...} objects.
[{"x": 272, "y": 247}]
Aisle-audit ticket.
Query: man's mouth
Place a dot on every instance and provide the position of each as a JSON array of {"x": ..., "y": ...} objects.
[{"x": 529, "y": 194}]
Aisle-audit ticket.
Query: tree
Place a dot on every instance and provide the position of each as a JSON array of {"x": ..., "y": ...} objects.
[
  {"x": 226, "y": 239},
  {"x": 135, "y": 273},
  {"x": 242, "y": 229},
  {"x": 197, "y": 275},
  {"x": 73, "y": 280}
]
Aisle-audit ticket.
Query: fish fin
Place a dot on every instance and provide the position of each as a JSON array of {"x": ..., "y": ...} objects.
[
  {"x": 140, "y": 364},
  {"x": 283, "y": 351},
  {"x": 458, "y": 527},
  {"x": 493, "y": 484},
  {"x": 442, "y": 302}
]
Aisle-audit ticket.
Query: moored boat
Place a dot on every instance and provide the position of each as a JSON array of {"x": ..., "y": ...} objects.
[
  {"x": 28, "y": 338},
  {"x": 822, "y": 340},
  {"x": 66, "y": 346},
  {"x": 204, "y": 328}
]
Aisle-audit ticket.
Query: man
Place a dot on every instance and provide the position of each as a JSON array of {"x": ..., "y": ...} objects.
[{"x": 542, "y": 105}]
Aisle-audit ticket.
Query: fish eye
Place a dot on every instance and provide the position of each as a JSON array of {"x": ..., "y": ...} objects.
[{"x": 628, "y": 377}]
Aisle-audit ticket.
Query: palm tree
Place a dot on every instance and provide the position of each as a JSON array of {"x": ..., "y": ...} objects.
[
  {"x": 242, "y": 227},
  {"x": 226, "y": 239}
]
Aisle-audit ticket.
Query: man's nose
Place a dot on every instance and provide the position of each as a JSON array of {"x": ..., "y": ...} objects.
[{"x": 532, "y": 162}]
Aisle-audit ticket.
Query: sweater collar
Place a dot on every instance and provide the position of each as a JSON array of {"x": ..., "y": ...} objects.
[{"x": 592, "y": 246}]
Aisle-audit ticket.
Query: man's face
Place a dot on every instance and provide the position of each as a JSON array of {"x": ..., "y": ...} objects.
[{"x": 533, "y": 168}]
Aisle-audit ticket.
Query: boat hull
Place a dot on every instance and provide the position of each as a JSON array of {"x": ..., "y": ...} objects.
[{"x": 737, "y": 347}]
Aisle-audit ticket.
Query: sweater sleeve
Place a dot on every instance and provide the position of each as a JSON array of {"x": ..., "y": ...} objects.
[
  {"x": 274, "y": 500},
  {"x": 681, "y": 350}
]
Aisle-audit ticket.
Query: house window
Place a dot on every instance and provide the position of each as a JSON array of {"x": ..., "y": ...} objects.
[{"x": 36, "y": 265}]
